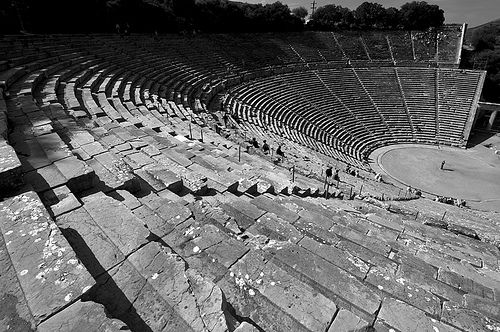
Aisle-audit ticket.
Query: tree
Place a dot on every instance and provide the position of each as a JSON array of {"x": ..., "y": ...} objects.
[
  {"x": 392, "y": 18},
  {"x": 370, "y": 15},
  {"x": 419, "y": 15},
  {"x": 332, "y": 17},
  {"x": 300, "y": 12},
  {"x": 486, "y": 38}
]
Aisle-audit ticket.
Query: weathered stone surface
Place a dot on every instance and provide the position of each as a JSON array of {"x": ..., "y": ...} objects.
[
  {"x": 61, "y": 200},
  {"x": 45, "y": 178},
  {"x": 79, "y": 175},
  {"x": 333, "y": 280},
  {"x": 338, "y": 257},
  {"x": 406, "y": 318},
  {"x": 269, "y": 205},
  {"x": 96, "y": 251},
  {"x": 346, "y": 321},
  {"x": 128, "y": 199},
  {"x": 258, "y": 308},
  {"x": 118, "y": 168},
  {"x": 196, "y": 300},
  {"x": 49, "y": 272},
  {"x": 273, "y": 227},
  {"x": 489, "y": 308},
  {"x": 137, "y": 160},
  {"x": 467, "y": 319},
  {"x": 246, "y": 327},
  {"x": 405, "y": 290},
  {"x": 430, "y": 284},
  {"x": 129, "y": 297},
  {"x": 465, "y": 284},
  {"x": 15, "y": 314},
  {"x": 311, "y": 309},
  {"x": 93, "y": 149},
  {"x": 160, "y": 178},
  {"x": 123, "y": 228},
  {"x": 82, "y": 316},
  {"x": 10, "y": 168},
  {"x": 211, "y": 240},
  {"x": 54, "y": 147}
]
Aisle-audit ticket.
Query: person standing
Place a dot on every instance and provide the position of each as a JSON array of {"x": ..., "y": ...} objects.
[{"x": 442, "y": 164}]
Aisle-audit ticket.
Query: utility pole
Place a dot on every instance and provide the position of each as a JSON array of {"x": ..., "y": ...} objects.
[{"x": 313, "y": 7}]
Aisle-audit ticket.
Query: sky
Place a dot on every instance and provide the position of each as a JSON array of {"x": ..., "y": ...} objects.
[{"x": 472, "y": 12}]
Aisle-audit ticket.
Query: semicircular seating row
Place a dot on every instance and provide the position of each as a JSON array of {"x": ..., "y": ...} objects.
[
  {"x": 106, "y": 76},
  {"x": 356, "y": 110},
  {"x": 119, "y": 84}
]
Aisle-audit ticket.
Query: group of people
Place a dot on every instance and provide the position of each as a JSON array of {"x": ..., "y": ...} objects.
[
  {"x": 451, "y": 201},
  {"x": 253, "y": 143}
]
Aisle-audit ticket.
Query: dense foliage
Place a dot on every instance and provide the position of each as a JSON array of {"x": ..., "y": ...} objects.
[
  {"x": 416, "y": 15},
  {"x": 204, "y": 15},
  {"x": 486, "y": 56}
]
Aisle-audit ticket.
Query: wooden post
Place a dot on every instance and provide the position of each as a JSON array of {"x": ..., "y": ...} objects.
[
  {"x": 326, "y": 191},
  {"x": 190, "y": 132},
  {"x": 360, "y": 189},
  {"x": 293, "y": 173},
  {"x": 239, "y": 153},
  {"x": 201, "y": 133},
  {"x": 444, "y": 215},
  {"x": 350, "y": 192}
]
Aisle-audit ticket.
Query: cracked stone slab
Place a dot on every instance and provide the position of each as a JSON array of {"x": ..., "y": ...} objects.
[
  {"x": 14, "y": 311},
  {"x": 197, "y": 300},
  {"x": 128, "y": 296},
  {"x": 61, "y": 200},
  {"x": 406, "y": 318},
  {"x": 117, "y": 167},
  {"x": 10, "y": 168},
  {"x": 405, "y": 290},
  {"x": 45, "y": 178},
  {"x": 88, "y": 316},
  {"x": 253, "y": 273},
  {"x": 332, "y": 280},
  {"x": 79, "y": 175},
  {"x": 269, "y": 205},
  {"x": 346, "y": 321},
  {"x": 96, "y": 251},
  {"x": 160, "y": 178},
  {"x": 468, "y": 319},
  {"x": 338, "y": 257},
  {"x": 49, "y": 272},
  {"x": 276, "y": 228},
  {"x": 123, "y": 228},
  {"x": 54, "y": 147}
]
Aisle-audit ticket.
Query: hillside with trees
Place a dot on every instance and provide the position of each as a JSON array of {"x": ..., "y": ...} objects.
[
  {"x": 485, "y": 55},
  {"x": 416, "y": 15},
  {"x": 86, "y": 16}
]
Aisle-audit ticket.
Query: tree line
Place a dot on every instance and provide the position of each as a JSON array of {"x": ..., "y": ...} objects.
[{"x": 85, "y": 16}]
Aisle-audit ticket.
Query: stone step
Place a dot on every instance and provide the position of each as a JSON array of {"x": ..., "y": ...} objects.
[
  {"x": 49, "y": 272},
  {"x": 10, "y": 169}
]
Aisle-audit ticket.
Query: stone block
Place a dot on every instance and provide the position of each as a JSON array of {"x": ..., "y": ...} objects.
[
  {"x": 269, "y": 205},
  {"x": 10, "y": 169},
  {"x": 404, "y": 317},
  {"x": 48, "y": 270},
  {"x": 123, "y": 228},
  {"x": 467, "y": 319},
  {"x": 346, "y": 321},
  {"x": 253, "y": 273},
  {"x": 333, "y": 282},
  {"x": 45, "y": 178},
  {"x": 79, "y": 175},
  {"x": 82, "y": 316},
  {"x": 198, "y": 301},
  {"x": 54, "y": 147},
  {"x": 273, "y": 227}
]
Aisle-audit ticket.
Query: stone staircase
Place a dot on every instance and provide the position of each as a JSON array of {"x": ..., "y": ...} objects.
[{"x": 124, "y": 212}]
